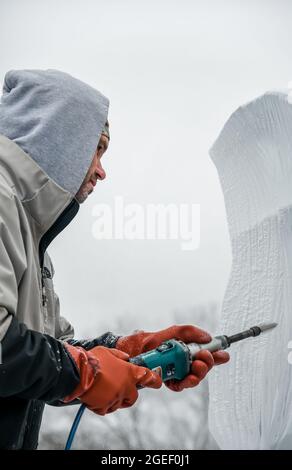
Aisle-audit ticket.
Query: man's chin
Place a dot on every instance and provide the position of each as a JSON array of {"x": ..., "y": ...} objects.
[
  {"x": 82, "y": 197},
  {"x": 83, "y": 193}
]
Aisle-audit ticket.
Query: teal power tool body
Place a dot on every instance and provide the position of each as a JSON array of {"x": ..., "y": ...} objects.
[{"x": 172, "y": 359}]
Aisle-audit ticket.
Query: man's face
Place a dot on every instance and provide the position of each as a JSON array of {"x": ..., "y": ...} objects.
[{"x": 95, "y": 172}]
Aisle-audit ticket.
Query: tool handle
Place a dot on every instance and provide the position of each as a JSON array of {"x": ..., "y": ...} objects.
[
  {"x": 138, "y": 361},
  {"x": 171, "y": 360}
]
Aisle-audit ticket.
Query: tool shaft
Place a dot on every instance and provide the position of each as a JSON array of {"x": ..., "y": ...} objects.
[{"x": 254, "y": 331}]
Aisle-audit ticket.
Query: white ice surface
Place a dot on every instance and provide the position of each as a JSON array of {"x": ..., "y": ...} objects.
[{"x": 251, "y": 396}]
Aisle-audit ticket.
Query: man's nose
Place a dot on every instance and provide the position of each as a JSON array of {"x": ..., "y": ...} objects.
[{"x": 100, "y": 173}]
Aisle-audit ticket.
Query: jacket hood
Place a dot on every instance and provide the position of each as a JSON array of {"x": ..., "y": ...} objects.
[{"x": 56, "y": 119}]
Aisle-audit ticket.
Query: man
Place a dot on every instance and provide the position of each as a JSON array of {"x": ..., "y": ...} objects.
[{"x": 53, "y": 134}]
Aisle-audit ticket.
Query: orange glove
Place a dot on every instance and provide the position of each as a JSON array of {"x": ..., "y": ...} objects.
[
  {"x": 107, "y": 380},
  {"x": 141, "y": 341}
]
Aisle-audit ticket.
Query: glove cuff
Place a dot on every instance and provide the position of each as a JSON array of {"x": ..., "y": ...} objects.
[{"x": 88, "y": 367}]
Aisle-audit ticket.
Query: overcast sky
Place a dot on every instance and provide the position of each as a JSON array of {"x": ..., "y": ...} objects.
[{"x": 174, "y": 71}]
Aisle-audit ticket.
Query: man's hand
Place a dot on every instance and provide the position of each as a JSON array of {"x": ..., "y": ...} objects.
[
  {"x": 141, "y": 341},
  {"x": 200, "y": 367},
  {"x": 107, "y": 380}
]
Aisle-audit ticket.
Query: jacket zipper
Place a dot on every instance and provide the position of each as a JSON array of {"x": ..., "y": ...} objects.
[{"x": 44, "y": 296}]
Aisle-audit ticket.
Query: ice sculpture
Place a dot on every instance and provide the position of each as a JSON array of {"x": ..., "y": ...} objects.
[{"x": 251, "y": 397}]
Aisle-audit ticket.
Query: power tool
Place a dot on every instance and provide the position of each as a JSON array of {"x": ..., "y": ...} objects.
[{"x": 172, "y": 359}]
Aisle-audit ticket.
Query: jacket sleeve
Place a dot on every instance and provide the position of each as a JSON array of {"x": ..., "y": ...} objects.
[{"x": 33, "y": 365}]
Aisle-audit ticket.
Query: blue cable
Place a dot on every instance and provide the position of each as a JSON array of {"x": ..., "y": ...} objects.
[{"x": 74, "y": 427}]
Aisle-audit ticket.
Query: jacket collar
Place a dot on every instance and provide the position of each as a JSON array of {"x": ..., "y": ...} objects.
[{"x": 42, "y": 198}]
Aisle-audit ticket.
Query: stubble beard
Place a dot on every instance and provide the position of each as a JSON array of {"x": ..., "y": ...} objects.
[{"x": 83, "y": 194}]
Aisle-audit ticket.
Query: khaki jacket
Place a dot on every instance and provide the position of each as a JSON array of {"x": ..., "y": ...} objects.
[{"x": 30, "y": 203}]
